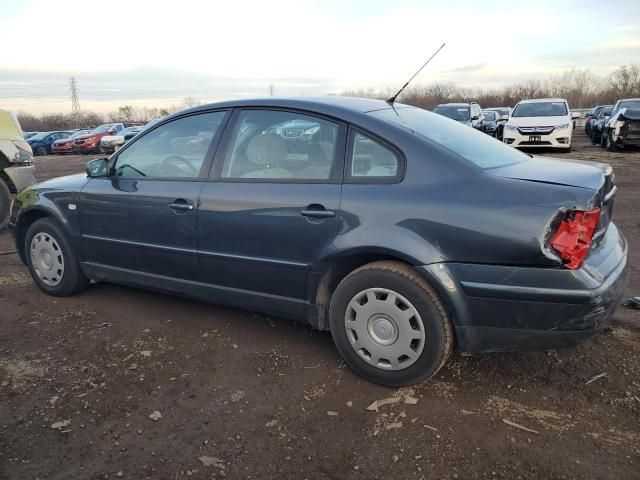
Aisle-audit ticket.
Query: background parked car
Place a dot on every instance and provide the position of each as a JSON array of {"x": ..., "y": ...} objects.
[
  {"x": 111, "y": 143},
  {"x": 90, "y": 143},
  {"x": 591, "y": 115},
  {"x": 41, "y": 143},
  {"x": 28, "y": 135},
  {"x": 65, "y": 145},
  {"x": 467, "y": 113},
  {"x": 543, "y": 122},
  {"x": 597, "y": 124},
  {"x": 505, "y": 112},
  {"x": 493, "y": 123},
  {"x": 16, "y": 163},
  {"x": 623, "y": 126}
]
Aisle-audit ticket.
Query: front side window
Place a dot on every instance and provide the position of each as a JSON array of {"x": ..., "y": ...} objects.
[
  {"x": 176, "y": 149},
  {"x": 370, "y": 158},
  {"x": 276, "y": 145}
]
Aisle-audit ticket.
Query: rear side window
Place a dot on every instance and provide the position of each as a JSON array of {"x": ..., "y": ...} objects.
[{"x": 370, "y": 159}]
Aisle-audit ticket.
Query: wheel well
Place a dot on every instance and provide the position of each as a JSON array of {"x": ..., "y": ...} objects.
[
  {"x": 332, "y": 273},
  {"x": 26, "y": 220}
]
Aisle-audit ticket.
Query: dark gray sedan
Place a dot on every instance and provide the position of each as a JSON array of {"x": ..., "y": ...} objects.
[{"x": 404, "y": 233}]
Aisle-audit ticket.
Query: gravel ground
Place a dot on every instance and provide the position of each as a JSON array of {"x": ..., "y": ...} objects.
[{"x": 122, "y": 383}]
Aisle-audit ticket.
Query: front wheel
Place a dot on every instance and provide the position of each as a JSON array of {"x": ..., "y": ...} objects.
[
  {"x": 52, "y": 263},
  {"x": 389, "y": 324},
  {"x": 41, "y": 151}
]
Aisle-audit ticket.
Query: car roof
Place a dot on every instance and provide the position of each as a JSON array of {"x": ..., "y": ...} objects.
[
  {"x": 358, "y": 104},
  {"x": 540, "y": 100}
]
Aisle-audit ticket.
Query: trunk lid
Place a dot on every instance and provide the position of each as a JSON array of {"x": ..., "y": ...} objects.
[{"x": 595, "y": 176}]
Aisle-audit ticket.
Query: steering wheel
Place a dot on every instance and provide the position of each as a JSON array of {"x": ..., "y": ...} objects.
[{"x": 167, "y": 162}]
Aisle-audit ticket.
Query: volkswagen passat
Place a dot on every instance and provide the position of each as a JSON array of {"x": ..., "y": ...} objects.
[{"x": 404, "y": 233}]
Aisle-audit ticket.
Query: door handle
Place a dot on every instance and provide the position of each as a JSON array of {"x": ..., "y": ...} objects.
[
  {"x": 181, "y": 205},
  {"x": 317, "y": 211}
]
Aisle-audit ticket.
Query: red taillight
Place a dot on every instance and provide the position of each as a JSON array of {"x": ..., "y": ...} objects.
[{"x": 573, "y": 238}]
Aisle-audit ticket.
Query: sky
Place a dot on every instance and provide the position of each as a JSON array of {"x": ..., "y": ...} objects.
[{"x": 155, "y": 53}]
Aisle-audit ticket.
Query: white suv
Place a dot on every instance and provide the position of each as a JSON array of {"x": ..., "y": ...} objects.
[{"x": 544, "y": 122}]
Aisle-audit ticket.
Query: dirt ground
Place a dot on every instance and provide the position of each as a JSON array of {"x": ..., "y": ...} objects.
[{"x": 241, "y": 395}]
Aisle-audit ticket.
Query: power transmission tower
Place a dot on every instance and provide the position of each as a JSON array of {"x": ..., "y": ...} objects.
[{"x": 75, "y": 102}]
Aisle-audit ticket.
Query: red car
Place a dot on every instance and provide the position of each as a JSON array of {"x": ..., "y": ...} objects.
[
  {"x": 90, "y": 142},
  {"x": 65, "y": 145}
]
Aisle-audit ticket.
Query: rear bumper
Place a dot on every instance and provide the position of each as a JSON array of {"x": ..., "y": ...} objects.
[{"x": 498, "y": 308}]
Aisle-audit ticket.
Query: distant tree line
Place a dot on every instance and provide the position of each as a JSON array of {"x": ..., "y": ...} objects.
[
  {"x": 125, "y": 113},
  {"x": 581, "y": 88}
]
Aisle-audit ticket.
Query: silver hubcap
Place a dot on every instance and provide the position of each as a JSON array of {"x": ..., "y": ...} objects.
[
  {"x": 384, "y": 328},
  {"x": 47, "y": 259}
]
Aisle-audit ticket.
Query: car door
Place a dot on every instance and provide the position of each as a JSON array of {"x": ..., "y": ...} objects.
[
  {"x": 272, "y": 207},
  {"x": 141, "y": 219}
]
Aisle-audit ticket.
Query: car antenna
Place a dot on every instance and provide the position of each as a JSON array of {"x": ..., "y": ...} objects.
[{"x": 393, "y": 99}]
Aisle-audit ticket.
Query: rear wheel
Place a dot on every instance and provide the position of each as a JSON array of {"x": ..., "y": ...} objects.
[
  {"x": 51, "y": 261},
  {"x": 390, "y": 325},
  {"x": 41, "y": 151},
  {"x": 5, "y": 199}
]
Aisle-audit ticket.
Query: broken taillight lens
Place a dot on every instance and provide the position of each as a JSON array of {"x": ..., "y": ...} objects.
[{"x": 573, "y": 237}]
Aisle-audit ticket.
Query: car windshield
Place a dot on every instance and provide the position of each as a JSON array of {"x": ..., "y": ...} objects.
[
  {"x": 39, "y": 136},
  {"x": 129, "y": 130},
  {"x": 454, "y": 112},
  {"x": 469, "y": 143},
  {"x": 491, "y": 116},
  {"x": 540, "y": 109},
  {"x": 77, "y": 134},
  {"x": 632, "y": 104},
  {"x": 606, "y": 112},
  {"x": 101, "y": 128}
]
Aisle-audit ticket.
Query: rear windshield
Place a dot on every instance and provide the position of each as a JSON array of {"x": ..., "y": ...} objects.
[
  {"x": 471, "y": 144},
  {"x": 540, "y": 109},
  {"x": 491, "y": 116}
]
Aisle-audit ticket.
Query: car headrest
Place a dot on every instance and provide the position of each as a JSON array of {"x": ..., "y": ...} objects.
[{"x": 267, "y": 149}]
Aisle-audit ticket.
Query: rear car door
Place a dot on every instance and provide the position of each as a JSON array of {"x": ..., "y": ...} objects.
[
  {"x": 271, "y": 209},
  {"x": 141, "y": 219}
]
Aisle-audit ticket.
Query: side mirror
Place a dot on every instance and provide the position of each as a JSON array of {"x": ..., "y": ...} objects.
[
  {"x": 475, "y": 117},
  {"x": 98, "y": 167},
  {"x": 575, "y": 115}
]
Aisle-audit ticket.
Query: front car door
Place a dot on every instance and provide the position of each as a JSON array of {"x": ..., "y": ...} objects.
[
  {"x": 272, "y": 207},
  {"x": 141, "y": 219}
]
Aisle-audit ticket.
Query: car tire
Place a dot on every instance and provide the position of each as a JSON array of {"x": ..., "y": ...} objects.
[
  {"x": 405, "y": 336},
  {"x": 5, "y": 200},
  {"x": 41, "y": 151},
  {"x": 52, "y": 262}
]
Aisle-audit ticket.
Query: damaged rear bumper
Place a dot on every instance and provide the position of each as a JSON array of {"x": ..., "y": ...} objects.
[{"x": 500, "y": 308}]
